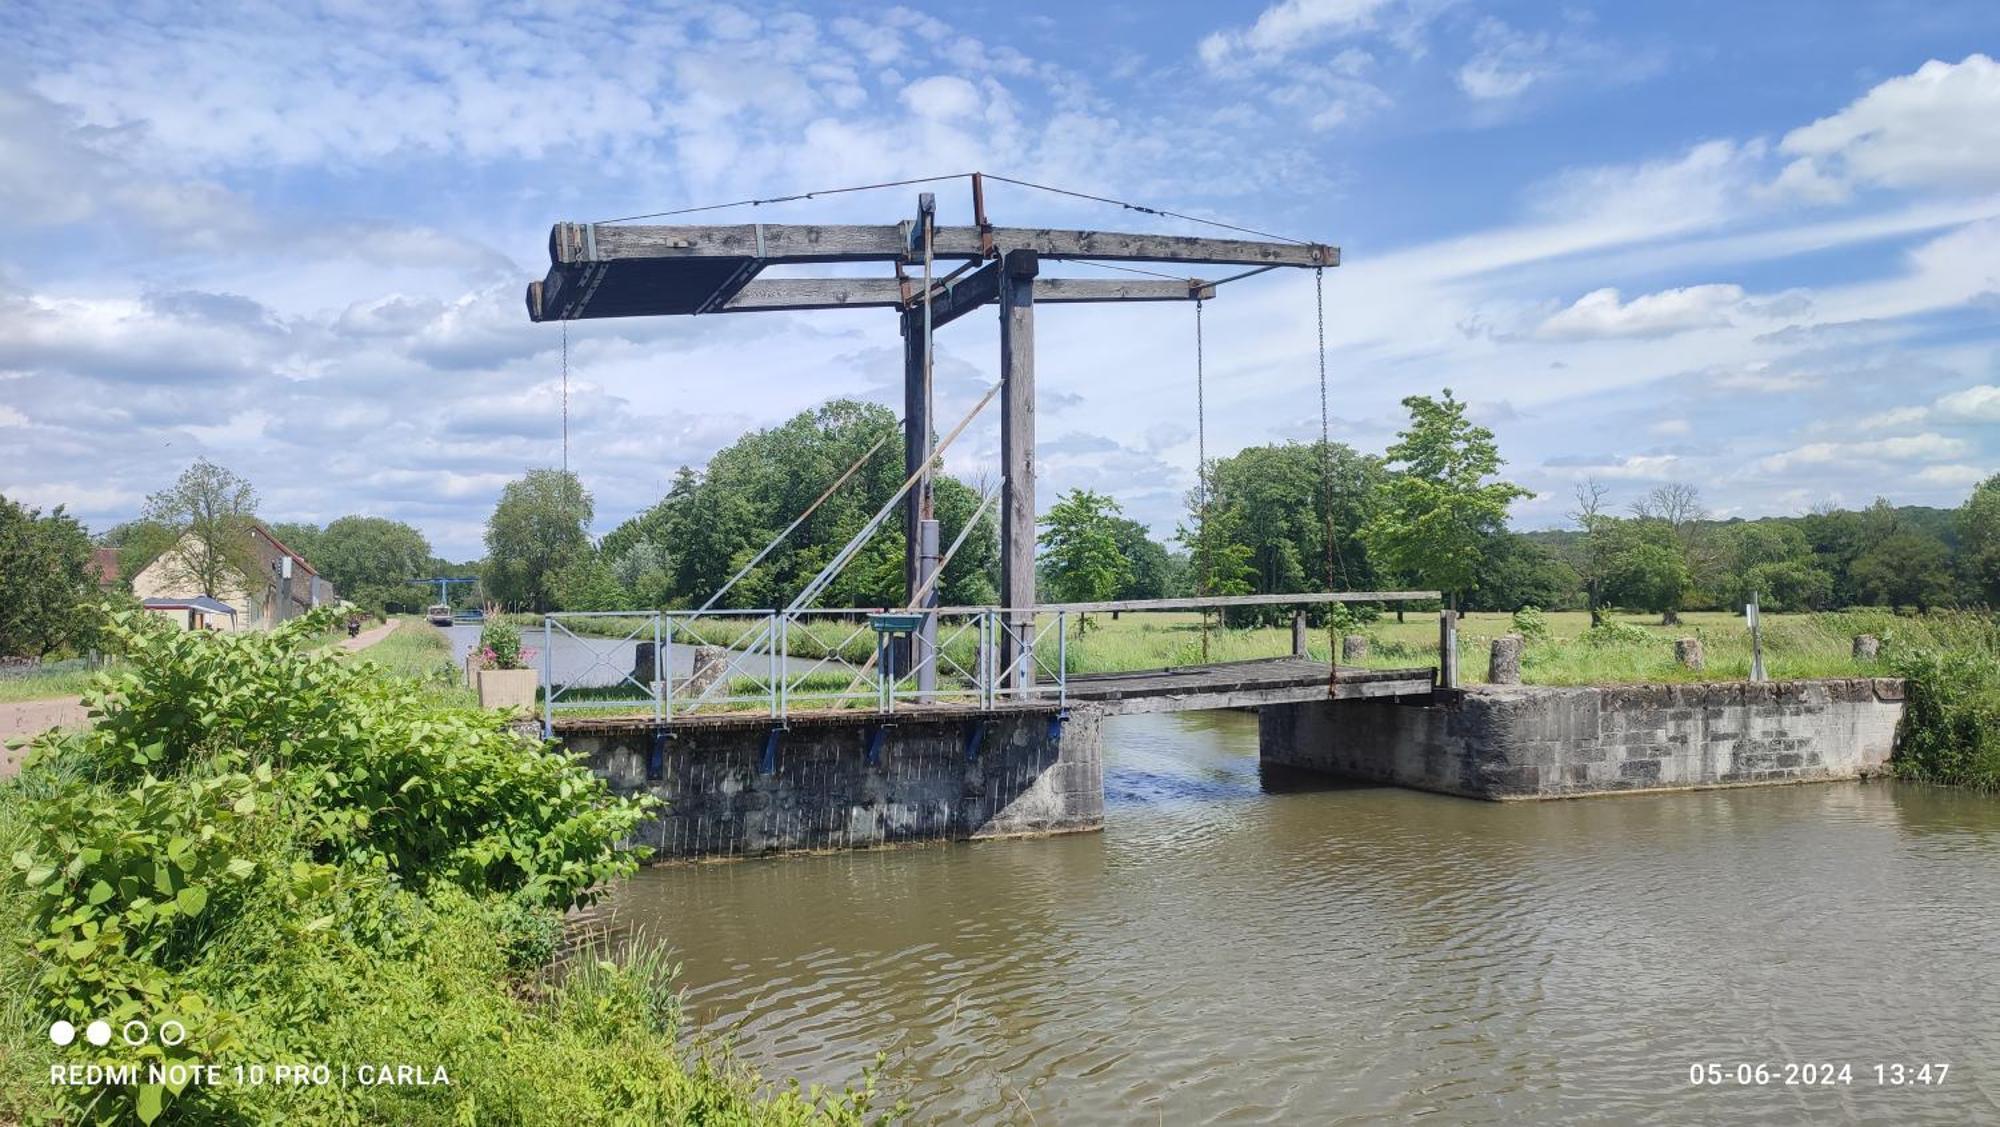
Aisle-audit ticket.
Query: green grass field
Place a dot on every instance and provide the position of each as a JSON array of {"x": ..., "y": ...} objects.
[{"x": 1636, "y": 648}]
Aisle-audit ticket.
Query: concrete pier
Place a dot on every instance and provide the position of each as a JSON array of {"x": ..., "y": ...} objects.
[
  {"x": 737, "y": 786},
  {"x": 1535, "y": 742}
]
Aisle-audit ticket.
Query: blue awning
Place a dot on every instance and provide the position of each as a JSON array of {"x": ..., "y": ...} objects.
[{"x": 202, "y": 603}]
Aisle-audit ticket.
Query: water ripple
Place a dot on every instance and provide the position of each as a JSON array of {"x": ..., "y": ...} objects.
[{"x": 1234, "y": 949}]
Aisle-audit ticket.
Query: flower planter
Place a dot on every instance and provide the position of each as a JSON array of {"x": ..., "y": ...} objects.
[{"x": 507, "y": 688}]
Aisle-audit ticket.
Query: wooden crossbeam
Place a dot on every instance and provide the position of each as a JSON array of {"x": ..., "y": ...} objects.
[
  {"x": 772, "y": 295},
  {"x": 571, "y": 243},
  {"x": 1303, "y": 598}
]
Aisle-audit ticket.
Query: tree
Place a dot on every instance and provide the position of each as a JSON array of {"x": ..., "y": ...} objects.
[
  {"x": 1646, "y": 568},
  {"x": 1151, "y": 569},
  {"x": 1978, "y": 524},
  {"x": 1438, "y": 508},
  {"x": 1592, "y": 558},
  {"x": 643, "y": 569},
  {"x": 1904, "y": 568},
  {"x": 209, "y": 511},
  {"x": 1516, "y": 572},
  {"x": 138, "y": 542},
  {"x": 1080, "y": 553},
  {"x": 369, "y": 560},
  {"x": 46, "y": 582},
  {"x": 1773, "y": 560},
  {"x": 539, "y": 525},
  {"x": 587, "y": 582},
  {"x": 1281, "y": 502}
]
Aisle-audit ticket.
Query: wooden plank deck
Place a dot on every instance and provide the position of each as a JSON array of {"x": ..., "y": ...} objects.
[{"x": 1240, "y": 684}]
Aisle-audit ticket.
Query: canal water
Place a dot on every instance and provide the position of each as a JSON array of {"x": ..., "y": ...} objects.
[{"x": 1236, "y": 949}]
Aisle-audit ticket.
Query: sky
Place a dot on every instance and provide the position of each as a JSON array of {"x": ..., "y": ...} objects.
[{"x": 1751, "y": 247}]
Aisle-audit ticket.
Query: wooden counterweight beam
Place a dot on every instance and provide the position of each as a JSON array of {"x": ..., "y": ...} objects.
[
  {"x": 776, "y": 295},
  {"x": 571, "y": 243}
]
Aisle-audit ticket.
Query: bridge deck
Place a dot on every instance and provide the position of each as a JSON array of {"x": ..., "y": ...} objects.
[
  {"x": 1229, "y": 684},
  {"x": 1240, "y": 684}
]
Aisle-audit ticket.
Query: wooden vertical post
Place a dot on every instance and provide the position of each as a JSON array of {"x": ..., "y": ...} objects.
[
  {"x": 1447, "y": 649},
  {"x": 1017, "y": 451},
  {"x": 1298, "y": 633}
]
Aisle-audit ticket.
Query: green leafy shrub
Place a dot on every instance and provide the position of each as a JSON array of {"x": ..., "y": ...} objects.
[
  {"x": 302, "y": 858},
  {"x": 1611, "y": 633},
  {"x": 1531, "y": 624},
  {"x": 1951, "y": 711}
]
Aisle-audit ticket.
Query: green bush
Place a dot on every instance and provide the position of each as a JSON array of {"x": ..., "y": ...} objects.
[
  {"x": 304, "y": 859},
  {"x": 1531, "y": 624},
  {"x": 1612, "y": 633},
  {"x": 1951, "y": 711}
]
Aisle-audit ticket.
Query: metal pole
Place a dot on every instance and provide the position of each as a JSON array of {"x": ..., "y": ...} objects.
[{"x": 548, "y": 680}]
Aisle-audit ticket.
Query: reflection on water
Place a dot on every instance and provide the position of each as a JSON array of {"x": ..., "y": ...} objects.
[{"x": 1241, "y": 949}]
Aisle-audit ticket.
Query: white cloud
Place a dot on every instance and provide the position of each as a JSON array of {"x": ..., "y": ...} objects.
[
  {"x": 1507, "y": 63},
  {"x": 1938, "y": 128},
  {"x": 942, "y": 97},
  {"x": 1952, "y": 475},
  {"x": 1286, "y": 28},
  {"x": 1927, "y": 447},
  {"x": 1979, "y": 404},
  {"x": 1600, "y": 313},
  {"x": 1894, "y": 418},
  {"x": 1672, "y": 428}
]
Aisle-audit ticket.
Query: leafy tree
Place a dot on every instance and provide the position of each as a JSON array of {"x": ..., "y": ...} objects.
[
  {"x": 587, "y": 582},
  {"x": 209, "y": 511},
  {"x": 369, "y": 560},
  {"x": 1439, "y": 508},
  {"x": 538, "y": 527},
  {"x": 643, "y": 570},
  {"x": 1591, "y": 556},
  {"x": 1151, "y": 570},
  {"x": 1281, "y": 501},
  {"x": 139, "y": 542},
  {"x": 1516, "y": 572},
  {"x": 46, "y": 584},
  {"x": 1978, "y": 524},
  {"x": 1904, "y": 568},
  {"x": 1080, "y": 553},
  {"x": 1774, "y": 560},
  {"x": 714, "y": 521},
  {"x": 1647, "y": 567}
]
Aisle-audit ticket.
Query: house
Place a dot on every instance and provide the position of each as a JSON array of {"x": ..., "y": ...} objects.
[
  {"x": 104, "y": 567},
  {"x": 284, "y": 586}
]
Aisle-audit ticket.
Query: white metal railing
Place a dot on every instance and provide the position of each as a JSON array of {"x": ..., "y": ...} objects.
[{"x": 773, "y": 661}]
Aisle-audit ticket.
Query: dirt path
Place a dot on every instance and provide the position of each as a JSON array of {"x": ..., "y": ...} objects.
[
  {"x": 21, "y": 719},
  {"x": 370, "y": 636}
]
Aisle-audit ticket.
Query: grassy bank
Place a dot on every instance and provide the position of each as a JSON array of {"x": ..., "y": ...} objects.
[
  {"x": 1951, "y": 722},
  {"x": 304, "y": 858},
  {"x": 65, "y": 682}
]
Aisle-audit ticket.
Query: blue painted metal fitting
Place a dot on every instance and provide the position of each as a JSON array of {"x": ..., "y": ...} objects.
[
  {"x": 875, "y": 744},
  {"x": 656, "y": 764},
  {"x": 769, "y": 766},
  {"x": 975, "y": 734}
]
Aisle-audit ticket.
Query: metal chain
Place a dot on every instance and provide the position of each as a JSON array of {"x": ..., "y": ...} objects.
[
  {"x": 565, "y": 395},
  {"x": 1201, "y": 473},
  {"x": 1326, "y": 477}
]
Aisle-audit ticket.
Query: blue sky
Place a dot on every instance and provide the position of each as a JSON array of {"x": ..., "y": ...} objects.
[{"x": 1751, "y": 247}]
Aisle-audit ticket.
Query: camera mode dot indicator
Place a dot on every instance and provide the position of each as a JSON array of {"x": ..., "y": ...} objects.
[
  {"x": 98, "y": 1033},
  {"x": 62, "y": 1033}
]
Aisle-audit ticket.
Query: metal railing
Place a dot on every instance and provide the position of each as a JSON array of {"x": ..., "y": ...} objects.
[{"x": 773, "y": 661}]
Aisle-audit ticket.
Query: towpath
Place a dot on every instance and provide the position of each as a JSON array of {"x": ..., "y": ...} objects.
[{"x": 22, "y": 719}]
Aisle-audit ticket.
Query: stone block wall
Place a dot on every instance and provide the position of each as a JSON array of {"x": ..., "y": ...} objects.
[
  {"x": 1535, "y": 742},
  {"x": 831, "y": 782}
]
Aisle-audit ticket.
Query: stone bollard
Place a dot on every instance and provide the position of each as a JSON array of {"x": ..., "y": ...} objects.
[
  {"x": 1687, "y": 651},
  {"x": 1354, "y": 648},
  {"x": 642, "y": 662},
  {"x": 1504, "y": 667},
  {"x": 709, "y": 663},
  {"x": 1867, "y": 647}
]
